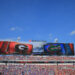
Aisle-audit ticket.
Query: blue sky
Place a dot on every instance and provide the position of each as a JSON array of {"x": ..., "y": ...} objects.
[{"x": 37, "y": 20}]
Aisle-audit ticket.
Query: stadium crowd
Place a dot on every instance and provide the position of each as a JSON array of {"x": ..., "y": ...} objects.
[
  {"x": 37, "y": 69},
  {"x": 39, "y": 58}
]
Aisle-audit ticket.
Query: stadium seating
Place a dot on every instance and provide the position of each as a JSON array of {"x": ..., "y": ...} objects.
[
  {"x": 37, "y": 58},
  {"x": 37, "y": 69}
]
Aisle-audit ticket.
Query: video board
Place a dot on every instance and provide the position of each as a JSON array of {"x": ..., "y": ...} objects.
[
  {"x": 7, "y": 47},
  {"x": 59, "y": 49},
  {"x": 36, "y": 48}
]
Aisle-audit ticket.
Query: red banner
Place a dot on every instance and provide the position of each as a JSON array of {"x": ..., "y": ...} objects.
[{"x": 7, "y": 47}]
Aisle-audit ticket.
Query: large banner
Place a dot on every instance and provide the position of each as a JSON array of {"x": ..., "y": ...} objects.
[
  {"x": 59, "y": 49},
  {"x": 7, "y": 47},
  {"x": 36, "y": 48}
]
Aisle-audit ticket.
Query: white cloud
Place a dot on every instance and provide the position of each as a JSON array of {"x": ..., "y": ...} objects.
[
  {"x": 13, "y": 29},
  {"x": 73, "y": 32},
  {"x": 16, "y": 29}
]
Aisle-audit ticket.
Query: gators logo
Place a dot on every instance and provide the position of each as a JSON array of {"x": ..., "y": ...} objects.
[{"x": 54, "y": 48}]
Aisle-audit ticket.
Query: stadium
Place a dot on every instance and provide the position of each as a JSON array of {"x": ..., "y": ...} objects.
[
  {"x": 36, "y": 58},
  {"x": 24, "y": 27}
]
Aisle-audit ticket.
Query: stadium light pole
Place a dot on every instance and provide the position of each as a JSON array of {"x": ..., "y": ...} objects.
[
  {"x": 56, "y": 40},
  {"x": 18, "y": 39}
]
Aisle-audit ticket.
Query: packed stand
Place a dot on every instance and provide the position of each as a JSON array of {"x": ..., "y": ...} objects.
[
  {"x": 37, "y": 69},
  {"x": 36, "y": 58}
]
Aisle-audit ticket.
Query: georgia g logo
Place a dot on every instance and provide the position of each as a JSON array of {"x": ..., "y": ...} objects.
[{"x": 21, "y": 48}]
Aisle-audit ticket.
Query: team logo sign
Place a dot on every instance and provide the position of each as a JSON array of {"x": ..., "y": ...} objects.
[
  {"x": 54, "y": 48},
  {"x": 22, "y": 49}
]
